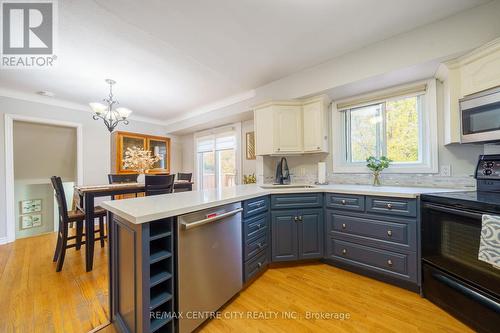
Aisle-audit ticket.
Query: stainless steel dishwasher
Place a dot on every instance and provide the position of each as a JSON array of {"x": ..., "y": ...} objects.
[{"x": 209, "y": 262}]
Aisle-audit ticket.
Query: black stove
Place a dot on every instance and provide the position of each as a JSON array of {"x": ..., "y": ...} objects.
[
  {"x": 475, "y": 200},
  {"x": 487, "y": 196},
  {"x": 453, "y": 277}
]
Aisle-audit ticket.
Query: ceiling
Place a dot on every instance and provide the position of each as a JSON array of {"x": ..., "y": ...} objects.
[{"x": 172, "y": 57}]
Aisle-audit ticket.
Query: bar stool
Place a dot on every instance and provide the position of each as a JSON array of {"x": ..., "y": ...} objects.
[{"x": 68, "y": 217}]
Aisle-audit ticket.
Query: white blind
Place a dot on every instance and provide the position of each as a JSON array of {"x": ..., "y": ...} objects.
[
  {"x": 225, "y": 141},
  {"x": 205, "y": 144},
  {"x": 219, "y": 141},
  {"x": 381, "y": 96}
]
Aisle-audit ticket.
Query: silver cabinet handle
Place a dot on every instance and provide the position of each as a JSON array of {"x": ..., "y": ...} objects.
[
  {"x": 278, "y": 149},
  {"x": 259, "y": 264},
  {"x": 389, "y": 262},
  {"x": 389, "y": 206},
  {"x": 344, "y": 251},
  {"x": 199, "y": 223},
  {"x": 300, "y": 218},
  {"x": 343, "y": 202},
  {"x": 259, "y": 226},
  {"x": 389, "y": 233},
  {"x": 296, "y": 218},
  {"x": 259, "y": 245},
  {"x": 344, "y": 226},
  {"x": 318, "y": 148}
]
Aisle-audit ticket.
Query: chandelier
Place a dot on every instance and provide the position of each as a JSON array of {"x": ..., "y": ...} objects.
[{"x": 111, "y": 117}]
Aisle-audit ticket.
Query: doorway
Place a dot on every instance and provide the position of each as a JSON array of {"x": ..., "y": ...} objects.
[
  {"x": 218, "y": 158},
  {"x": 35, "y": 150}
]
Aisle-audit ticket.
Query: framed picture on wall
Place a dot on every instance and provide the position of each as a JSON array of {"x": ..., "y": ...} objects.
[{"x": 250, "y": 145}]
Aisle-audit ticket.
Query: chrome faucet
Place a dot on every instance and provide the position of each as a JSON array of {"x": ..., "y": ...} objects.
[{"x": 282, "y": 173}]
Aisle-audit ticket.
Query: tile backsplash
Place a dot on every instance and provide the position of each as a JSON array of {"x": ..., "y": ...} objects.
[{"x": 303, "y": 169}]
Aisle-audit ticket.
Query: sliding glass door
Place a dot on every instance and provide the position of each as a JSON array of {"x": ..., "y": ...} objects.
[{"x": 217, "y": 164}]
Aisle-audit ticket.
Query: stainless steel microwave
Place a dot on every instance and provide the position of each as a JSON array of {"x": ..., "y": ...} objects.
[{"x": 480, "y": 117}]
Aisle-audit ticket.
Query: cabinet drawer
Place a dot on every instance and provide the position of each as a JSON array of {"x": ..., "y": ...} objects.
[
  {"x": 404, "y": 265},
  {"x": 305, "y": 200},
  {"x": 254, "y": 266},
  {"x": 392, "y": 206},
  {"x": 255, "y": 206},
  {"x": 345, "y": 201},
  {"x": 255, "y": 226},
  {"x": 255, "y": 246},
  {"x": 402, "y": 232}
]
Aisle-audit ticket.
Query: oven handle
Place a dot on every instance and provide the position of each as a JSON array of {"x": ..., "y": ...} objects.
[
  {"x": 199, "y": 223},
  {"x": 454, "y": 211},
  {"x": 468, "y": 292}
]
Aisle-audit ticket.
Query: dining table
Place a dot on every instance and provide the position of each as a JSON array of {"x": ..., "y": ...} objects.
[{"x": 87, "y": 195}]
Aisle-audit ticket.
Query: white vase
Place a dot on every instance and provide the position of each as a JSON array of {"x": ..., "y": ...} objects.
[{"x": 141, "y": 178}]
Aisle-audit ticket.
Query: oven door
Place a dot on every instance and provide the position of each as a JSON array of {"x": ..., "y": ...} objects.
[
  {"x": 450, "y": 242},
  {"x": 480, "y": 117}
]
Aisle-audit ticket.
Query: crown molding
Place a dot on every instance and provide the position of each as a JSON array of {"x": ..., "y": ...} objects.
[{"x": 212, "y": 107}]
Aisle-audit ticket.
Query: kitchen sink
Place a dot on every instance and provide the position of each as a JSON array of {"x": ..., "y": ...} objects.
[{"x": 290, "y": 186}]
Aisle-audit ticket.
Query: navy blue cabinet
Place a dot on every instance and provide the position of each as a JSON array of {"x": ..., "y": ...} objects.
[
  {"x": 297, "y": 231},
  {"x": 284, "y": 231},
  {"x": 376, "y": 236},
  {"x": 256, "y": 237},
  {"x": 310, "y": 233}
]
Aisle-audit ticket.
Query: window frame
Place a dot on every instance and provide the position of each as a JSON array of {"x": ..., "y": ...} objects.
[
  {"x": 215, "y": 132},
  {"x": 428, "y": 153}
]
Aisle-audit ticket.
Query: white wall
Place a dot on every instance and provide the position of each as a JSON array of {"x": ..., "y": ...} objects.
[{"x": 96, "y": 140}]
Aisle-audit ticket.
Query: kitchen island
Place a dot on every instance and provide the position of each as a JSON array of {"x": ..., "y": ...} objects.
[{"x": 369, "y": 230}]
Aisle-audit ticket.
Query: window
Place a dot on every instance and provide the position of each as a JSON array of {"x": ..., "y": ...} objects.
[
  {"x": 399, "y": 124},
  {"x": 390, "y": 128},
  {"x": 217, "y": 159}
]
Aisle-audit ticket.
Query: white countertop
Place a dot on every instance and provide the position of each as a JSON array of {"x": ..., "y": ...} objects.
[{"x": 146, "y": 209}]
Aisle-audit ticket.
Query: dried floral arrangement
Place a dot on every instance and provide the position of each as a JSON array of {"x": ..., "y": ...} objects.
[{"x": 139, "y": 159}]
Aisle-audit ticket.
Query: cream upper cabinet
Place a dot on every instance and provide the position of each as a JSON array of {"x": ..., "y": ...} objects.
[
  {"x": 315, "y": 125},
  {"x": 291, "y": 127},
  {"x": 264, "y": 128},
  {"x": 287, "y": 129},
  {"x": 480, "y": 70},
  {"x": 471, "y": 73}
]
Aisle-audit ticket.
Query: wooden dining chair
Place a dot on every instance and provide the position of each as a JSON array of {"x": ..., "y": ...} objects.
[
  {"x": 68, "y": 217},
  {"x": 123, "y": 179},
  {"x": 159, "y": 184},
  {"x": 184, "y": 176}
]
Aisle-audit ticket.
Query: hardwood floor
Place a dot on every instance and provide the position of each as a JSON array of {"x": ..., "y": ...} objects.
[
  {"x": 34, "y": 298},
  {"x": 372, "y": 306}
]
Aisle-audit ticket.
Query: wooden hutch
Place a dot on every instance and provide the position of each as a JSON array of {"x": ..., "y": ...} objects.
[{"x": 158, "y": 145}]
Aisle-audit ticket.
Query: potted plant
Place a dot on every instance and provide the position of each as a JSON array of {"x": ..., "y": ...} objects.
[
  {"x": 376, "y": 166},
  {"x": 139, "y": 159}
]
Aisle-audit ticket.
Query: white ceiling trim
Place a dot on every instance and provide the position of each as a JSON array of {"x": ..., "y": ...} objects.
[
  {"x": 4, "y": 92},
  {"x": 235, "y": 99}
]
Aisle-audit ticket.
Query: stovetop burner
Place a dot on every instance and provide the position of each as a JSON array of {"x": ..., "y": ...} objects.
[{"x": 474, "y": 200}]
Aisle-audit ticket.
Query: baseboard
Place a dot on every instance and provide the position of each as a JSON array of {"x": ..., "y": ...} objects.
[{"x": 3, "y": 240}]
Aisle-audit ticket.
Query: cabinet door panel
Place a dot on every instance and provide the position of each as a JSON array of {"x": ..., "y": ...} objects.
[
  {"x": 129, "y": 141},
  {"x": 160, "y": 148},
  {"x": 284, "y": 231},
  {"x": 288, "y": 129},
  {"x": 311, "y": 236},
  {"x": 264, "y": 129},
  {"x": 313, "y": 123}
]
